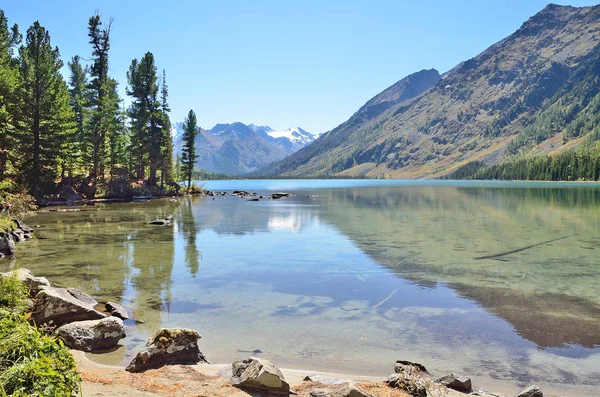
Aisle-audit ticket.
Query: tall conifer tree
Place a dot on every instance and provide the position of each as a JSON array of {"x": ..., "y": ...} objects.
[
  {"x": 167, "y": 141},
  {"x": 46, "y": 121},
  {"x": 188, "y": 154},
  {"x": 9, "y": 83}
]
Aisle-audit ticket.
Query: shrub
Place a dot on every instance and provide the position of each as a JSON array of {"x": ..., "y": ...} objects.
[{"x": 31, "y": 363}]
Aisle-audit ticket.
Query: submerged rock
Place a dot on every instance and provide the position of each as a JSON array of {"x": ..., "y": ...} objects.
[
  {"x": 116, "y": 310},
  {"x": 168, "y": 346},
  {"x": 259, "y": 374},
  {"x": 277, "y": 196},
  {"x": 59, "y": 306},
  {"x": 168, "y": 220},
  {"x": 531, "y": 391},
  {"x": 458, "y": 383},
  {"x": 23, "y": 275},
  {"x": 92, "y": 335},
  {"x": 344, "y": 390}
]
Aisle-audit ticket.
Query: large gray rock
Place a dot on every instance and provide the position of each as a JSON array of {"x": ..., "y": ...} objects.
[
  {"x": 168, "y": 346},
  {"x": 531, "y": 391},
  {"x": 259, "y": 374},
  {"x": 58, "y": 306},
  {"x": 116, "y": 310},
  {"x": 456, "y": 382},
  {"x": 7, "y": 244},
  {"x": 411, "y": 384},
  {"x": 345, "y": 390},
  {"x": 23, "y": 275},
  {"x": 92, "y": 335}
]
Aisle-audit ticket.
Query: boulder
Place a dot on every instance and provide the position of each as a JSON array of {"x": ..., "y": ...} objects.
[
  {"x": 531, "y": 391},
  {"x": 7, "y": 243},
  {"x": 408, "y": 366},
  {"x": 116, "y": 310},
  {"x": 456, "y": 382},
  {"x": 18, "y": 235},
  {"x": 23, "y": 275},
  {"x": 22, "y": 226},
  {"x": 82, "y": 296},
  {"x": 92, "y": 335},
  {"x": 411, "y": 384},
  {"x": 59, "y": 306},
  {"x": 168, "y": 346},
  {"x": 345, "y": 390},
  {"x": 259, "y": 374},
  {"x": 277, "y": 196}
]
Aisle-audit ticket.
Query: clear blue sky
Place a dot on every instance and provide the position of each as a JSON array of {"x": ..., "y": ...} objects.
[{"x": 281, "y": 63}]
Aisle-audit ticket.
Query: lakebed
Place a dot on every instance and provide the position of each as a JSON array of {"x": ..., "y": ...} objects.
[{"x": 498, "y": 281}]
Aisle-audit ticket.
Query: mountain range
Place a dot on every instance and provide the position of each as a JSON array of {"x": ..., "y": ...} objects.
[
  {"x": 237, "y": 148},
  {"x": 537, "y": 91}
]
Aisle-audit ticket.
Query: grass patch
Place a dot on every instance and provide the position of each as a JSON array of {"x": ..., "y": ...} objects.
[{"x": 31, "y": 363}]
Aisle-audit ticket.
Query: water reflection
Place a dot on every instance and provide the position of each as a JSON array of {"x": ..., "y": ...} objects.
[{"x": 390, "y": 271}]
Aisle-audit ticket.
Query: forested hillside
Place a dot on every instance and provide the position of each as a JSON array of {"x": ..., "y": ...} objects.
[{"x": 536, "y": 92}]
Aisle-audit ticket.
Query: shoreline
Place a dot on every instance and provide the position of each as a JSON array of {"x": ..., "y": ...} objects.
[{"x": 90, "y": 368}]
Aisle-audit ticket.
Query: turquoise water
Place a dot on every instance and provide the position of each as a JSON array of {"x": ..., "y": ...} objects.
[{"x": 351, "y": 275}]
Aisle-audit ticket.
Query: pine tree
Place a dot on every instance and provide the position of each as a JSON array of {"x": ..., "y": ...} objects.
[
  {"x": 167, "y": 141},
  {"x": 103, "y": 118},
  {"x": 79, "y": 100},
  {"x": 46, "y": 121},
  {"x": 188, "y": 154},
  {"x": 178, "y": 169},
  {"x": 146, "y": 115},
  {"x": 9, "y": 82}
]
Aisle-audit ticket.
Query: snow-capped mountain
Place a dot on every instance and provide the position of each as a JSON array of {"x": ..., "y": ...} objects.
[
  {"x": 237, "y": 149},
  {"x": 294, "y": 134}
]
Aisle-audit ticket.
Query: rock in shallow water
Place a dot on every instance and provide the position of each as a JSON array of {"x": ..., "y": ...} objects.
[
  {"x": 456, "y": 382},
  {"x": 60, "y": 306},
  {"x": 116, "y": 310},
  {"x": 92, "y": 335},
  {"x": 168, "y": 346},
  {"x": 259, "y": 374}
]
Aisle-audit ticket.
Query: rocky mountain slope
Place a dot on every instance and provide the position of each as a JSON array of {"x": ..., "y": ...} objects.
[
  {"x": 534, "y": 92},
  {"x": 237, "y": 149}
]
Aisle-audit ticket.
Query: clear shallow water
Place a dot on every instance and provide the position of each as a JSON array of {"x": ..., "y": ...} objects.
[{"x": 354, "y": 276}]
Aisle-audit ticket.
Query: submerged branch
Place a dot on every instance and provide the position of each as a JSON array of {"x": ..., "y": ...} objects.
[{"x": 522, "y": 248}]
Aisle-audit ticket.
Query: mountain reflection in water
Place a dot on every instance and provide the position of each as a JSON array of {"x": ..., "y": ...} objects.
[{"x": 354, "y": 277}]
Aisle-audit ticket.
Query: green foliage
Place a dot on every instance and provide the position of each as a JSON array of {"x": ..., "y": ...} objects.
[
  {"x": 580, "y": 165},
  {"x": 466, "y": 171},
  {"x": 46, "y": 120},
  {"x": 201, "y": 175},
  {"x": 31, "y": 363},
  {"x": 188, "y": 154},
  {"x": 148, "y": 112}
]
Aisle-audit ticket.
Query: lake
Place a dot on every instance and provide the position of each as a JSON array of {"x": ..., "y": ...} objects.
[{"x": 496, "y": 280}]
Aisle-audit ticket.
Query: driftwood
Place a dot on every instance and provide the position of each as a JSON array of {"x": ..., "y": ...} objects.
[
  {"x": 522, "y": 248},
  {"x": 385, "y": 300}
]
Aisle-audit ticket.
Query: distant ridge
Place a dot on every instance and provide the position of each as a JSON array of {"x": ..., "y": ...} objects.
[
  {"x": 238, "y": 149},
  {"x": 534, "y": 92}
]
